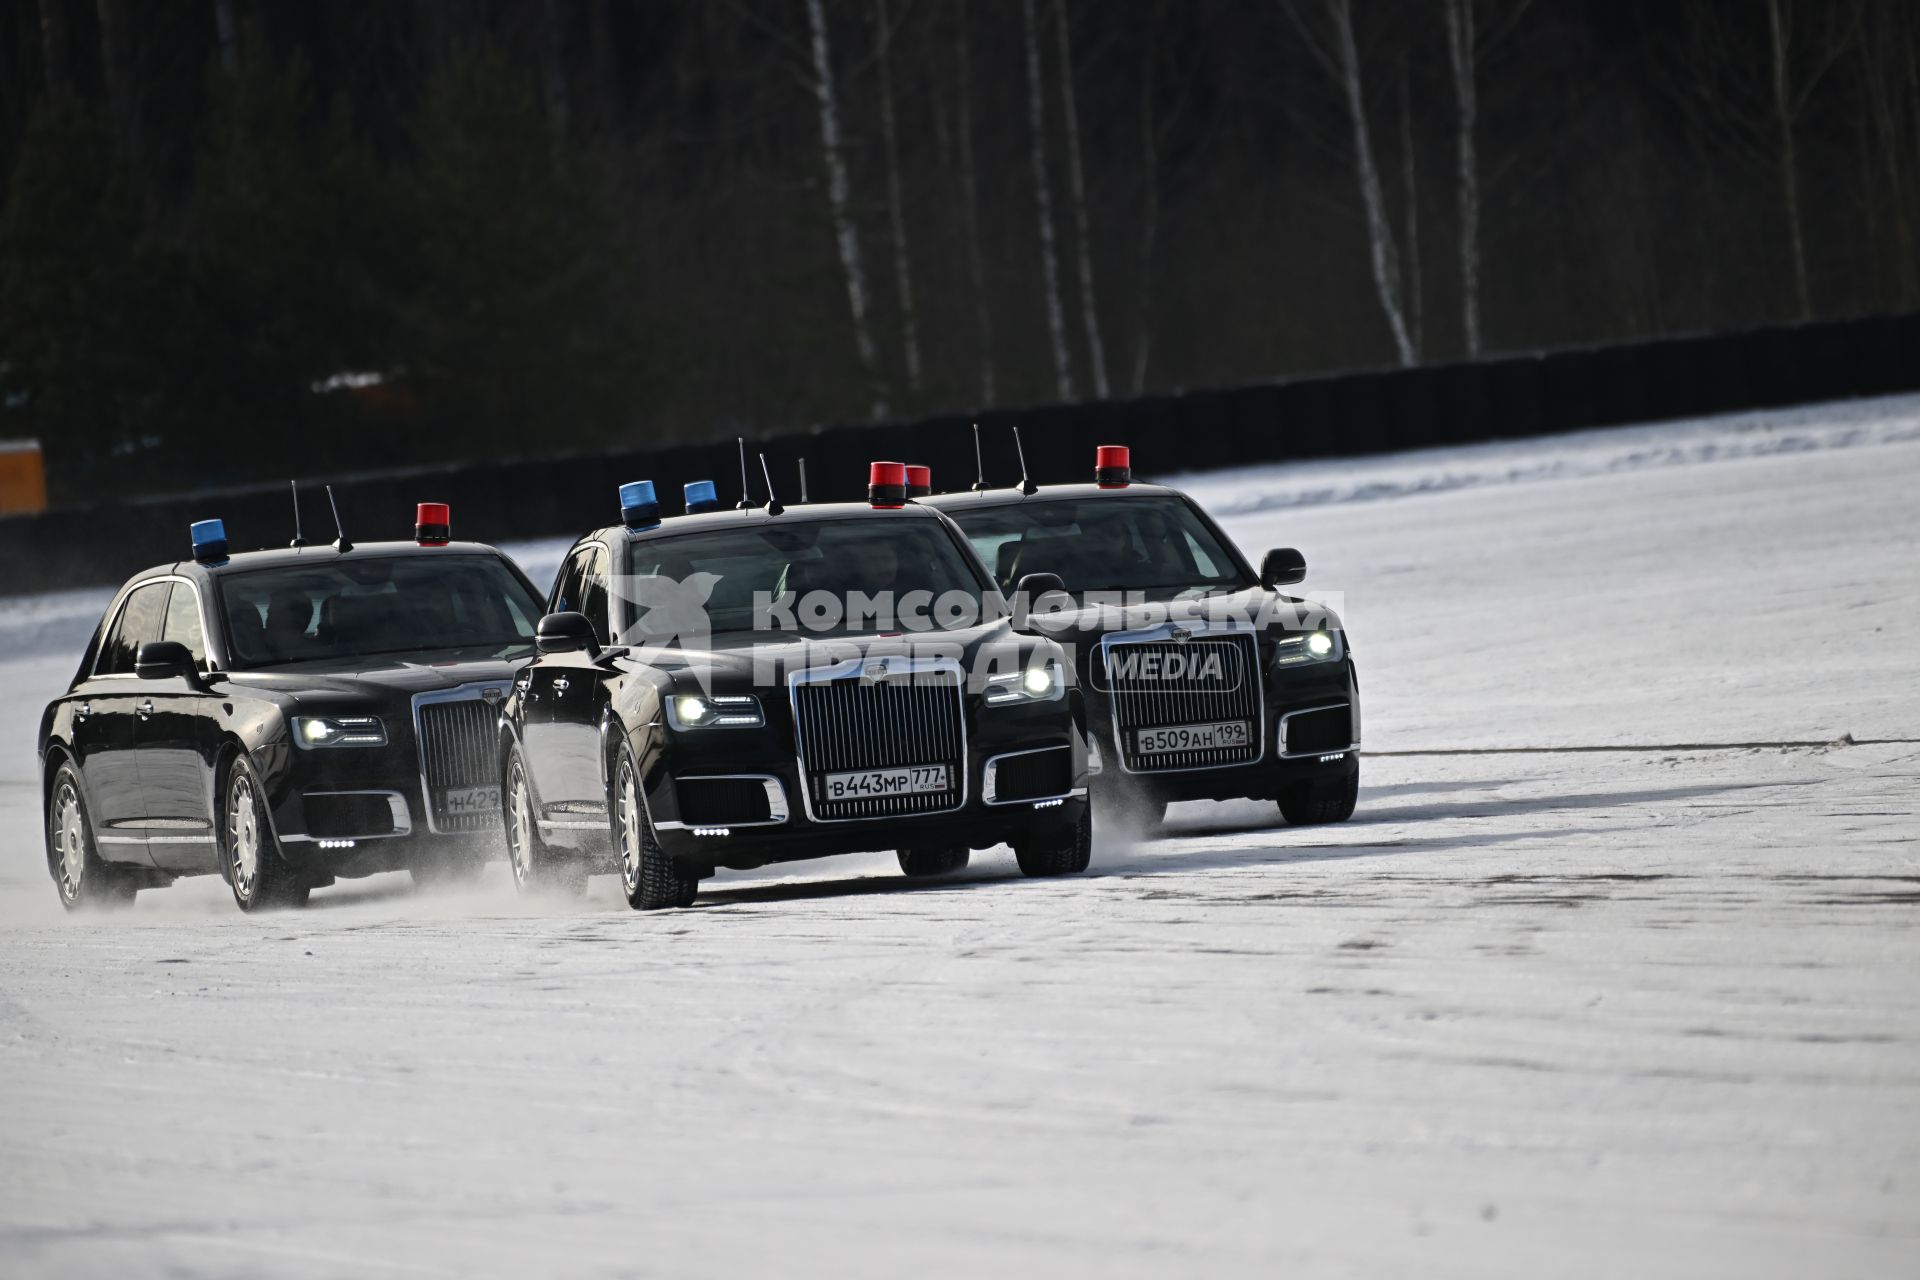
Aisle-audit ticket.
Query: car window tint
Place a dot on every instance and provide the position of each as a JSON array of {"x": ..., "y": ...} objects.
[
  {"x": 139, "y": 622},
  {"x": 566, "y": 589},
  {"x": 593, "y": 595},
  {"x": 183, "y": 623}
]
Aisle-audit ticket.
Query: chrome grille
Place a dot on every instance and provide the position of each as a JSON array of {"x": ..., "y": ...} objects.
[
  {"x": 456, "y": 753},
  {"x": 849, "y": 725},
  {"x": 1222, "y": 691}
]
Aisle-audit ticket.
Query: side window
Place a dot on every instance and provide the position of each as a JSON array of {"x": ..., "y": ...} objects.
[
  {"x": 593, "y": 596},
  {"x": 183, "y": 623},
  {"x": 566, "y": 591},
  {"x": 139, "y": 622}
]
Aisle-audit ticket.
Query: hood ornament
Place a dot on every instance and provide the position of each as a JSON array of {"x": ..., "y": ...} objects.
[
  {"x": 492, "y": 695},
  {"x": 1181, "y": 635}
]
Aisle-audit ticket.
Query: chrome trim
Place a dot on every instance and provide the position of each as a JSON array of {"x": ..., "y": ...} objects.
[
  {"x": 396, "y": 805},
  {"x": 1164, "y": 632},
  {"x": 214, "y": 661},
  {"x": 897, "y": 664},
  {"x": 470, "y": 691},
  {"x": 990, "y": 770},
  {"x": 776, "y": 801},
  {"x": 1280, "y": 739}
]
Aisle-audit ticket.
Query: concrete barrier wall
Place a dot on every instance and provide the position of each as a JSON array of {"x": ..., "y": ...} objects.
[{"x": 1331, "y": 416}]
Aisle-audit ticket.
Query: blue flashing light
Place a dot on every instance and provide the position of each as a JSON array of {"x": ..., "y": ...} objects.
[
  {"x": 701, "y": 496},
  {"x": 639, "y": 509},
  {"x": 209, "y": 539}
]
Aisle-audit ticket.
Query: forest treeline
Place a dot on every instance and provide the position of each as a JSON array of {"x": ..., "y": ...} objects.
[{"x": 246, "y": 238}]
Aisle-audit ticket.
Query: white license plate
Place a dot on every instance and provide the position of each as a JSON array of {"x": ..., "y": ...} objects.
[
  {"x": 1193, "y": 737},
  {"x": 870, "y": 784},
  {"x": 464, "y": 800}
]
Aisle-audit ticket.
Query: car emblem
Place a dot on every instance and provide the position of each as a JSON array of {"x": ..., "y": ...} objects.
[
  {"x": 1181, "y": 635},
  {"x": 492, "y": 696},
  {"x": 877, "y": 671}
]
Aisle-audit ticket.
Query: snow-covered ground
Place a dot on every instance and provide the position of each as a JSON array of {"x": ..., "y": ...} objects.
[{"x": 1644, "y": 1010}]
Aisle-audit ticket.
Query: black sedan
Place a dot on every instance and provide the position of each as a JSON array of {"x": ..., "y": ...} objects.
[
  {"x": 281, "y": 718},
  {"x": 1205, "y": 680},
  {"x": 747, "y": 687}
]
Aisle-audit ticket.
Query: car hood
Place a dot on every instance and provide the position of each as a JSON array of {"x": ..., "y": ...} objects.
[
  {"x": 736, "y": 658},
  {"x": 381, "y": 674}
]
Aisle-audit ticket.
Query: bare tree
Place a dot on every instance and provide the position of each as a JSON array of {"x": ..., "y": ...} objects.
[
  {"x": 846, "y": 232},
  {"x": 1043, "y": 201},
  {"x": 902, "y": 258},
  {"x": 1089, "y": 310},
  {"x": 1460, "y": 55},
  {"x": 116, "y": 63},
  {"x": 970, "y": 202},
  {"x": 1786, "y": 108},
  {"x": 226, "y": 28},
  {"x": 1410, "y": 198},
  {"x": 54, "y": 52}
]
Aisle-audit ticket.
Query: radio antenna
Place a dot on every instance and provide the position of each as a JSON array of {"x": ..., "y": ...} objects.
[
  {"x": 746, "y": 503},
  {"x": 1027, "y": 487},
  {"x": 803, "y": 482},
  {"x": 298, "y": 541},
  {"x": 340, "y": 542},
  {"x": 979, "y": 466},
  {"x": 773, "y": 504}
]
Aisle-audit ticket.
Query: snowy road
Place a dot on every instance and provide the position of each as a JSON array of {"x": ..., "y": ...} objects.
[{"x": 1534, "y": 1011}]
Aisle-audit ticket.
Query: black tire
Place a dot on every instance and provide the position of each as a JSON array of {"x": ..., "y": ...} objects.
[
  {"x": 537, "y": 867},
  {"x": 932, "y": 862},
  {"x": 258, "y": 873},
  {"x": 651, "y": 879},
  {"x": 1054, "y": 856},
  {"x": 85, "y": 882},
  {"x": 1315, "y": 802}
]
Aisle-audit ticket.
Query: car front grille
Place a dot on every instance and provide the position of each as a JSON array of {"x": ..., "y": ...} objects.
[
  {"x": 457, "y": 756},
  {"x": 850, "y": 725},
  {"x": 1217, "y": 681}
]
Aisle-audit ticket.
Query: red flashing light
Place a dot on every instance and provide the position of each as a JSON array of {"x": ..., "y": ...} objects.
[
  {"x": 1112, "y": 466},
  {"x": 433, "y": 524},
  {"x": 887, "y": 485},
  {"x": 919, "y": 480}
]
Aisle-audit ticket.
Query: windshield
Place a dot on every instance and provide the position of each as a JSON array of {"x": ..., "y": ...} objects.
[
  {"x": 375, "y": 605},
  {"x": 903, "y": 565},
  {"x": 1152, "y": 543}
]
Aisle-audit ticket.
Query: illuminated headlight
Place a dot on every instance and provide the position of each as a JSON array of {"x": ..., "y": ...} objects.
[
  {"x": 699, "y": 711},
  {"x": 339, "y": 731},
  {"x": 1030, "y": 684},
  {"x": 1310, "y": 646}
]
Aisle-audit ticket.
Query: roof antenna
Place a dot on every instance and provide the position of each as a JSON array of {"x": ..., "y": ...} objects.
[
  {"x": 773, "y": 504},
  {"x": 745, "y": 503},
  {"x": 1027, "y": 487},
  {"x": 979, "y": 467},
  {"x": 298, "y": 541},
  {"x": 340, "y": 542},
  {"x": 803, "y": 482}
]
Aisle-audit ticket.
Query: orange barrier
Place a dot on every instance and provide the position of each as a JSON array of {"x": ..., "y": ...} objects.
[{"x": 23, "y": 478}]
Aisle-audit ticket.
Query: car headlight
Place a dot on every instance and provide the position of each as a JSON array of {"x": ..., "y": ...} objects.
[
  {"x": 312, "y": 732},
  {"x": 704, "y": 711},
  {"x": 1306, "y": 646},
  {"x": 1029, "y": 684}
]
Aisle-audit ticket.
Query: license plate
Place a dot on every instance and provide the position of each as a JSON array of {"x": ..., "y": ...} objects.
[
  {"x": 870, "y": 784},
  {"x": 464, "y": 800},
  {"x": 1193, "y": 737}
]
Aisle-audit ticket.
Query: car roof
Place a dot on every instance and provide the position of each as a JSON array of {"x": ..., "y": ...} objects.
[
  {"x": 274, "y": 557},
  {"x": 955, "y": 503},
  {"x": 809, "y": 513}
]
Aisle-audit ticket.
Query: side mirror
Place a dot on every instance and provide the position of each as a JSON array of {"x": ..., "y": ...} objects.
[
  {"x": 1282, "y": 567},
  {"x": 1032, "y": 588},
  {"x": 566, "y": 633},
  {"x": 164, "y": 660}
]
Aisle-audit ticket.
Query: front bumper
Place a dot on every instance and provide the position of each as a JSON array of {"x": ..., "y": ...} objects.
[{"x": 358, "y": 810}]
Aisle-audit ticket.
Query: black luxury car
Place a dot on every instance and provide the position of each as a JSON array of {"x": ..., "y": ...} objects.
[
  {"x": 1203, "y": 679},
  {"x": 285, "y": 717},
  {"x": 737, "y": 688}
]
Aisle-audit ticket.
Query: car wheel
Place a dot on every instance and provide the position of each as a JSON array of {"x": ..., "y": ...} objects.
[
  {"x": 260, "y": 876},
  {"x": 649, "y": 876},
  {"x": 1311, "y": 803},
  {"x": 1056, "y": 856},
  {"x": 536, "y": 867},
  {"x": 83, "y": 879},
  {"x": 932, "y": 862}
]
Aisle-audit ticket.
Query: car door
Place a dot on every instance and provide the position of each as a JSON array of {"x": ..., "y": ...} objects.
[
  {"x": 173, "y": 735},
  {"x": 104, "y": 727},
  {"x": 572, "y": 692}
]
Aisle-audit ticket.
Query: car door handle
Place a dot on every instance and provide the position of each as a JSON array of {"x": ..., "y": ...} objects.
[
  {"x": 82, "y": 711},
  {"x": 560, "y": 684},
  {"x": 145, "y": 709}
]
